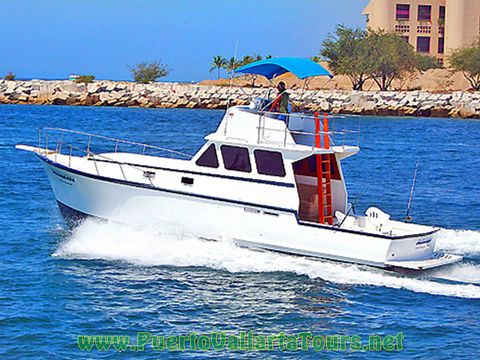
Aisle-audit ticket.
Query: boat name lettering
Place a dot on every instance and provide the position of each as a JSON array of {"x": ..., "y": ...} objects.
[
  {"x": 424, "y": 241},
  {"x": 63, "y": 177},
  {"x": 251, "y": 210}
]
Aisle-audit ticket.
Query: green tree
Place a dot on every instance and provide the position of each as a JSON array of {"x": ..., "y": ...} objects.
[
  {"x": 315, "y": 58},
  {"x": 86, "y": 79},
  {"x": 389, "y": 57},
  {"x": 232, "y": 65},
  {"x": 346, "y": 52},
  {"x": 10, "y": 76},
  {"x": 425, "y": 62},
  {"x": 247, "y": 59},
  {"x": 145, "y": 73},
  {"x": 219, "y": 62},
  {"x": 467, "y": 61}
]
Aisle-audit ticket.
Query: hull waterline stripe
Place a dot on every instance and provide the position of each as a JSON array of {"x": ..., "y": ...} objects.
[{"x": 237, "y": 202}]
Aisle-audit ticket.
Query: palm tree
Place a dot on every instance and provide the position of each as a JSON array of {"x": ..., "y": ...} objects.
[
  {"x": 219, "y": 62},
  {"x": 232, "y": 64},
  {"x": 247, "y": 59}
]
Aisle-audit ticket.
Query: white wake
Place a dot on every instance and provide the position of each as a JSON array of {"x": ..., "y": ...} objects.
[
  {"x": 167, "y": 245},
  {"x": 462, "y": 242}
]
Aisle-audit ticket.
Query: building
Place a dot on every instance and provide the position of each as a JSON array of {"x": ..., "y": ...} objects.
[{"x": 433, "y": 27}]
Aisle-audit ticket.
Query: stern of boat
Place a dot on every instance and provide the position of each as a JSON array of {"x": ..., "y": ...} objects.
[{"x": 418, "y": 253}]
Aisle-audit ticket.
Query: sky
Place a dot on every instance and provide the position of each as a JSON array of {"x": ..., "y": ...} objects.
[{"x": 51, "y": 39}]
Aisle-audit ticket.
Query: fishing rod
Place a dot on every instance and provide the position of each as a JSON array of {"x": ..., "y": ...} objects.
[
  {"x": 352, "y": 206},
  {"x": 409, "y": 218}
]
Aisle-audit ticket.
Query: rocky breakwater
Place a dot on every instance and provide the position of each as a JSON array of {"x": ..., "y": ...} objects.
[
  {"x": 126, "y": 94},
  {"x": 179, "y": 95}
]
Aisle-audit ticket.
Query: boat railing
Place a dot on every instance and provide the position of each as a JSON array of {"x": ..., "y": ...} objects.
[
  {"x": 315, "y": 130},
  {"x": 107, "y": 144},
  {"x": 58, "y": 141}
]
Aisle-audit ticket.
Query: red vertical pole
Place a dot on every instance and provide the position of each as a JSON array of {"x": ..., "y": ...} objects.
[
  {"x": 326, "y": 139},
  {"x": 317, "y": 129}
]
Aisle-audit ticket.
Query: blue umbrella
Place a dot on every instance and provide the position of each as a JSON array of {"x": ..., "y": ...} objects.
[{"x": 270, "y": 68}]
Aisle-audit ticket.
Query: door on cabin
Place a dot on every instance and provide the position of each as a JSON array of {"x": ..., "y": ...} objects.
[{"x": 313, "y": 199}]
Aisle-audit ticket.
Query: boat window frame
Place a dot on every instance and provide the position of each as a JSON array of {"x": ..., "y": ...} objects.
[
  {"x": 205, "y": 153},
  {"x": 274, "y": 153},
  {"x": 242, "y": 148}
]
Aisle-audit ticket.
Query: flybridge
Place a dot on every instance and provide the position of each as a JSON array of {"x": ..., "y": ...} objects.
[{"x": 299, "y": 131}]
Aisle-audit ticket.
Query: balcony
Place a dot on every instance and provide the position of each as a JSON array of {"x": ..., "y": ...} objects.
[
  {"x": 424, "y": 29},
  {"x": 401, "y": 28}
]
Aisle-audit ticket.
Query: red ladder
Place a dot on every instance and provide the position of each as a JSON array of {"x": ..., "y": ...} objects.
[{"x": 324, "y": 173}]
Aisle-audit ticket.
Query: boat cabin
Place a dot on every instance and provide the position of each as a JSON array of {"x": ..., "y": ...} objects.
[{"x": 299, "y": 151}]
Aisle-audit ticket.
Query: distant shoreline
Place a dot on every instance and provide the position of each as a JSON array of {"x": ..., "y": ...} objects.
[
  {"x": 459, "y": 104},
  {"x": 119, "y": 80}
]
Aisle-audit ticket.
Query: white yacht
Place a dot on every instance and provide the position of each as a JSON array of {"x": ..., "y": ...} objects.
[{"x": 263, "y": 180}]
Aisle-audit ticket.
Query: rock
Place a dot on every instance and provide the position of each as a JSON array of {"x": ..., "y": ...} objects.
[
  {"x": 467, "y": 111},
  {"x": 440, "y": 112},
  {"x": 172, "y": 95}
]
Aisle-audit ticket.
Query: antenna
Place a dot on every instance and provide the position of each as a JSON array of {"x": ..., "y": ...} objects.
[
  {"x": 408, "y": 218},
  {"x": 233, "y": 70},
  {"x": 231, "y": 85}
]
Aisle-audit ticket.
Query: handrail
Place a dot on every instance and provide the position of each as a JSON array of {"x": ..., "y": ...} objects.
[
  {"x": 93, "y": 158},
  {"x": 90, "y": 135},
  {"x": 56, "y": 133},
  {"x": 298, "y": 114},
  {"x": 328, "y": 133},
  {"x": 303, "y": 116}
]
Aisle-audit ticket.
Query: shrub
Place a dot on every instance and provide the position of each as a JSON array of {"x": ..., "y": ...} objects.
[
  {"x": 425, "y": 62},
  {"x": 145, "y": 73},
  {"x": 467, "y": 61},
  {"x": 347, "y": 53},
  {"x": 86, "y": 79},
  {"x": 389, "y": 57},
  {"x": 10, "y": 76}
]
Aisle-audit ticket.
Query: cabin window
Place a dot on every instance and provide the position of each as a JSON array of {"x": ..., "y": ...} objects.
[
  {"x": 208, "y": 158},
  {"x": 269, "y": 163},
  {"x": 308, "y": 166},
  {"x": 236, "y": 158}
]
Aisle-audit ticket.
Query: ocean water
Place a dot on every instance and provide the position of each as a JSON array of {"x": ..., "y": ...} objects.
[{"x": 114, "y": 279}]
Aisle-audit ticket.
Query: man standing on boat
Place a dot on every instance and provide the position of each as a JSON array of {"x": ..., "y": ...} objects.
[{"x": 280, "y": 105}]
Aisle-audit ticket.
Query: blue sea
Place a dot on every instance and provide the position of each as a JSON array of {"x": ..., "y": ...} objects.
[{"x": 112, "y": 279}]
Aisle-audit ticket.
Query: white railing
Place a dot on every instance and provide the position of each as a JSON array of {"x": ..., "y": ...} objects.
[
  {"x": 58, "y": 141},
  {"x": 59, "y": 132},
  {"x": 323, "y": 126}
]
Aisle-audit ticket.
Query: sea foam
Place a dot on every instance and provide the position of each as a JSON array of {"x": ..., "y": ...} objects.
[{"x": 164, "y": 244}]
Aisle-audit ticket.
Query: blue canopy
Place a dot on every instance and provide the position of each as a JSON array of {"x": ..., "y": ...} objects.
[{"x": 270, "y": 68}]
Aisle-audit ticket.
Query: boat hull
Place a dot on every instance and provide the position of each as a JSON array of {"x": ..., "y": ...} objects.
[{"x": 80, "y": 195}]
